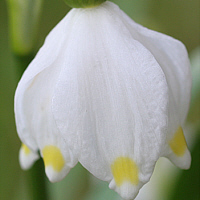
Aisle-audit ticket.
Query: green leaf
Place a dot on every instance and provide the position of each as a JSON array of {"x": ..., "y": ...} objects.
[{"x": 24, "y": 18}]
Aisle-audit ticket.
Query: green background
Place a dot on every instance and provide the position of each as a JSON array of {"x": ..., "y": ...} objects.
[{"x": 178, "y": 18}]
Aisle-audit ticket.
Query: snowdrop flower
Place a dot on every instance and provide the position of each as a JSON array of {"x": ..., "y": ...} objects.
[{"x": 108, "y": 93}]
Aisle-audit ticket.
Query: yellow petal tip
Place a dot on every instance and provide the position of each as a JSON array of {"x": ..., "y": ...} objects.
[
  {"x": 124, "y": 169},
  {"x": 25, "y": 149},
  {"x": 178, "y": 143},
  {"x": 53, "y": 157}
]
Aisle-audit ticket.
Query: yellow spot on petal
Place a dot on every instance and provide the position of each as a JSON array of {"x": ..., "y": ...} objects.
[
  {"x": 53, "y": 157},
  {"x": 125, "y": 169},
  {"x": 178, "y": 143},
  {"x": 25, "y": 149}
]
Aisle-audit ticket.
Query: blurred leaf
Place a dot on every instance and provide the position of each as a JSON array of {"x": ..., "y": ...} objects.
[
  {"x": 72, "y": 187},
  {"x": 99, "y": 190},
  {"x": 53, "y": 12},
  {"x": 180, "y": 19},
  {"x": 194, "y": 113},
  {"x": 188, "y": 185},
  {"x": 9, "y": 143},
  {"x": 32, "y": 183},
  {"x": 24, "y": 18},
  {"x": 139, "y": 11}
]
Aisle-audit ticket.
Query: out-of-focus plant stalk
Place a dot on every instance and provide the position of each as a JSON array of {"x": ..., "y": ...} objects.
[
  {"x": 35, "y": 177},
  {"x": 24, "y": 18},
  {"x": 23, "y": 24},
  {"x": 194, "y": 113}
]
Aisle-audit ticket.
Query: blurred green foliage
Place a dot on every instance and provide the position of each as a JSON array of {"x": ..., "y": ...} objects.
[
  {"x": 178, "y": 18},
  {"x": 188, "y": 184},
  {"x": 23, "y": 20}
]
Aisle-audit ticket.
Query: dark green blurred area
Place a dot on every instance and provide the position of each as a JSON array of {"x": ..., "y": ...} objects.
[{"x": 178, "y": 18}]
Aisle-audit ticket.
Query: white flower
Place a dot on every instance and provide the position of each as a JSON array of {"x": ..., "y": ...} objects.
[{"x": 108, "y": 93}]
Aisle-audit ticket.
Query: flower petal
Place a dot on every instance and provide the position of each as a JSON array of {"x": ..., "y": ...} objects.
[
  {"x": 172, "y": 56},
  {"x": 38, "y": 128},
  {"x": 33, "y": 99},
  {"x": 27, "y": 157},
  {"x": 112, "y": 97},
  {"x": 47, "y": 56},
  {"x": 178, "y": 152},
  {"x": 56, "y": 162},
  {"x": 112, "y": 100}
]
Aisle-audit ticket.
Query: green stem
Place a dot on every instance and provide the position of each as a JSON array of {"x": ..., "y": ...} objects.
[
  {"x": 23, "y": 20},
  {"x": 21, "y": 63},
  {"x": 35, "y": 177},
  {"x": 37, "y": 181}
]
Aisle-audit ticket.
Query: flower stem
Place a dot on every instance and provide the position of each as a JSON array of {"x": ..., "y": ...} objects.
[
  {"x": 23, "y": 26},
  {"x": 35, "y": 177},
  {"x": 21, "y": 63},
  {"x": 37, "y": 182}
]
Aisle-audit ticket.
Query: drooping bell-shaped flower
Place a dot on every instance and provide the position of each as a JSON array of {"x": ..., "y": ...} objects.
[{"x": 108, "y": 93}]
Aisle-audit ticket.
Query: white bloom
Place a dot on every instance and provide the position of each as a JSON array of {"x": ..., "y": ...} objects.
[{"x": 108, "y": 93}]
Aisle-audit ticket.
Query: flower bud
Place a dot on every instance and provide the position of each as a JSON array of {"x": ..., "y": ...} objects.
[{"x": 83, "y": 3}]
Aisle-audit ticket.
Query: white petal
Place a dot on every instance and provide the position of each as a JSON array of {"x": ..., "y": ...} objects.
[
  {"x": 40, "y": 123},
  {"x": 33, "y": 99},
  {"x": 113, "y": 100},
  {"x": 27, "y": 157},
  {"x": 172, "y": 56},
  {"x": 48, "y": 55},
  {"x": 100, "y": 91}
]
